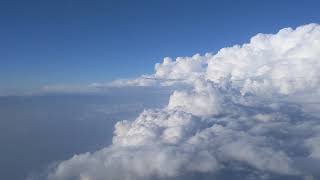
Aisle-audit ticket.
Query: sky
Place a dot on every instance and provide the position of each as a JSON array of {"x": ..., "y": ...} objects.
[
  {"x": 161, "y": 90},
  {"x": 78, "y": 41}
]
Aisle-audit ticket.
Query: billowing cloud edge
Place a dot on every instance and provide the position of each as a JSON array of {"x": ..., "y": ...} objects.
[{"x": 253, "y": 106}]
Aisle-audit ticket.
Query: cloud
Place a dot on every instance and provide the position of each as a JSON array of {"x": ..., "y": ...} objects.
[
  {"x": 246, "y": 107},
  {"x": 203, "y": 100}
]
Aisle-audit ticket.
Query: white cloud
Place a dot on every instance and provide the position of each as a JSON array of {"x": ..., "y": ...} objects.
[
  {"x": 203, "y": 100},
  {"x": 246, "y": 106}
]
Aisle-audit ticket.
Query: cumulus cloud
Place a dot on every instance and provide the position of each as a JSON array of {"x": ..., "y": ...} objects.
[
  {"x": 246, "y": 108},
  {"x": 203, "y": 100}
]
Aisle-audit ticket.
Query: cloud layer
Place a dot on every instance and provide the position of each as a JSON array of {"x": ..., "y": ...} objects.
[{"x": 250, "y": 109}]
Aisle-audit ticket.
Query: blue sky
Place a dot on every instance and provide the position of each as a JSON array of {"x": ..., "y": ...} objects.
[{"x": 74, "y": 42}]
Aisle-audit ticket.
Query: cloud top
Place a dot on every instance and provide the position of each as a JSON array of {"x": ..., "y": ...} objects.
[{"x": 248, "y": 108}]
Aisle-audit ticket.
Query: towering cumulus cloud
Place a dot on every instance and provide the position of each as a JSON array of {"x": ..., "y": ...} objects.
[{"x": 247, "y": 112}]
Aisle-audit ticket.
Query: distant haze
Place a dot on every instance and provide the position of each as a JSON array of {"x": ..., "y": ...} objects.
[{"x": 39, "y": 130}]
